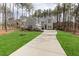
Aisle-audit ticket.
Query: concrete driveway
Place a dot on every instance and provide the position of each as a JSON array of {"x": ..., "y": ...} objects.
[{"x": 45, "y": 44}]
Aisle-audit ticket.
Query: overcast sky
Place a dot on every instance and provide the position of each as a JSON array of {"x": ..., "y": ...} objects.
[{"x": 44, "y": 5}]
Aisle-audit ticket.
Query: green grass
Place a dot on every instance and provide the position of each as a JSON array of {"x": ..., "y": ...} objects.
[
  {"x": 13, "y": 41},
  {"x": 69, "y": 42}
]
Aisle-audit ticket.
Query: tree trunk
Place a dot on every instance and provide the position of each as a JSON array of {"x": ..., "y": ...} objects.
[
  {"x": 22, "y": 11},
  {"x": 26, "y": 12},
  {"x": 5, "y": 17},
  {"x": 57, "y": 17},
  {"x": 17, "y": 12},
  {"x": 13, "y": 15},
  {"x": 64, "y": 20}
]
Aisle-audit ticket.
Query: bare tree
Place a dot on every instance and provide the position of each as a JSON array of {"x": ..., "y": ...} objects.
[{"x": 5, "y": 16}]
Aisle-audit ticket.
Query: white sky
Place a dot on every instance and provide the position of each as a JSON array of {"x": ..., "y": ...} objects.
[{"x": 44, "y": 5}]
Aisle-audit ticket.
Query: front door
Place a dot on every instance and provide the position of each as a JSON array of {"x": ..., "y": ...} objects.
[
  {"x": 49, "y": 27},
  {"x": 45, "y": 26}
]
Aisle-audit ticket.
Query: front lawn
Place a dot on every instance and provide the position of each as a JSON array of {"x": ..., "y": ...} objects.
[
  {"x": 69, "y": 42},
  {"x": 13, "y": 41}
]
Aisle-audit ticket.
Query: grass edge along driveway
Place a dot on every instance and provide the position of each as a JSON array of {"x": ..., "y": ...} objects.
[
  {"x": 13, "y": 41},
  {"x": 69, "y": 42}
]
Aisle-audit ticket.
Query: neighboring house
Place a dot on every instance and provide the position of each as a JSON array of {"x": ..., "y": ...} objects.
[{"x": 28, "y": 22}]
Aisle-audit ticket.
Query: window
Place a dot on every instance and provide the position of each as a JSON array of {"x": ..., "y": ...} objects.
[{"x": 49, "y": 20}]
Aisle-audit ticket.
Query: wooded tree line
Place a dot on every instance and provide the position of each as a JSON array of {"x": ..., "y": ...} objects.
[
  {"x": 12, "y": 12},
  {"x": 65, "y": 14},
  {"x": 69, "y": 14}
]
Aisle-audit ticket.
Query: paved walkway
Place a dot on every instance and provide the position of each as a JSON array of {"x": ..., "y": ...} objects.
[{"x": 45, "y": 44}]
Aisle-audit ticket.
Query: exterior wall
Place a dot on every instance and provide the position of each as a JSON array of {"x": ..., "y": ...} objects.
[
  {"x": 50, "y": 24},
  {"x": 47, "y": 22}
]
